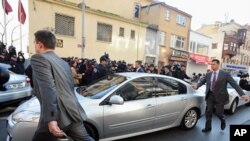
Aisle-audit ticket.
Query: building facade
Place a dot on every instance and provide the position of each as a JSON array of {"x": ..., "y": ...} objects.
[
  {"x": 199, "y": 56},
  {"x": 173, "y": 27},
  {"x": 230, "y": 42},
  {"x": 116, "y": 31}
]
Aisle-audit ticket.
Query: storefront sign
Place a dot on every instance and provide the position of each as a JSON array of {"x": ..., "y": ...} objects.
[
  {"x": 199, "y": 59},
  {"x": 234, "y": 67},
  {"x": 181, "y": 54}
]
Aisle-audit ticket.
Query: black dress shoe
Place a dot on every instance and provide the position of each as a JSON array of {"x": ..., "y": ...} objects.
[
  {"x": 206, "y": 130},
  {"x": 223, "y": 125}
]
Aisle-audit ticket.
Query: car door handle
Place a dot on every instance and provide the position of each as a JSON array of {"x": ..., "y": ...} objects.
[{"x": 150, "y": 106}]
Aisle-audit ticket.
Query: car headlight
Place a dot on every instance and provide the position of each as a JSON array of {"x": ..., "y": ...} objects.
[{"x": 25, "y": 116}]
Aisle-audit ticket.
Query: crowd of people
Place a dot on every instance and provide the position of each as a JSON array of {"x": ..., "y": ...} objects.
[
  {"x": 87, "y": 71},
  {"x": 11, "y": 57}
]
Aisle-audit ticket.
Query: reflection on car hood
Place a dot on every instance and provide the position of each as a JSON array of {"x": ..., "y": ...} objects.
[
  {"x": 16, "y": 78},
  {"x": 34, "y": 106}
]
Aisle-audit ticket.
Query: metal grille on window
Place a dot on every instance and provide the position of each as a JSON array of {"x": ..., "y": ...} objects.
[
  {"x": 65, "y": 25},
  {"x": 104, "y": 32}
]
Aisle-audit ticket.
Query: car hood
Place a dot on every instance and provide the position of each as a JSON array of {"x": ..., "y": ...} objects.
[{"x": 33, "y": 104}]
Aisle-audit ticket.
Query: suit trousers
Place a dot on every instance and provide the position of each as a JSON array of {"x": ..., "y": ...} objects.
[
  {"x": 75, "y": 131},
  {"x": 211, "y": 104}
]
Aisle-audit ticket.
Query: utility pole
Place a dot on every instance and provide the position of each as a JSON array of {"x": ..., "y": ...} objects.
[
  {"x": 5, "y": 32},
  {"x": 83, "y": 28},
  {"x": 12, "y": 34}
]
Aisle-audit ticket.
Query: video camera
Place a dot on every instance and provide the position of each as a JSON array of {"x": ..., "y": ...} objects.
[{"x": 242, "y": 74}]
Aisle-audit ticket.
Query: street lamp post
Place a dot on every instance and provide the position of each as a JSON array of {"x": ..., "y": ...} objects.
[{"x": 83, "y": 28}]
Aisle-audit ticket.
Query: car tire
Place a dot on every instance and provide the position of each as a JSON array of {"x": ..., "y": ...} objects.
[
  {"x": 233, "y": 107},
  {"x": 91, "y": 131},
  {"x": 189, "y": 119}
]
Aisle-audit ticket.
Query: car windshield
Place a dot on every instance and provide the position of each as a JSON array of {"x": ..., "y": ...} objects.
[{"x": 102, "y": 87}]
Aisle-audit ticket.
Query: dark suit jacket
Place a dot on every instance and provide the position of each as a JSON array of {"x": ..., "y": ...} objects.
[
  {"x": 220, "y": 90},
  {"x": 139, "y": 70},
  {"x": 54, "y": 88}
]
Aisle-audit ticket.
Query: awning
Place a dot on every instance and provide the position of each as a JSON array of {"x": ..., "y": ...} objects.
[{"x": 199, "y": 59}]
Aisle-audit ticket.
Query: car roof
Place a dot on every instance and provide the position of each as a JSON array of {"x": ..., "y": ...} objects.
[
  {"x": 132, "y": 75},
  {"x": 137, "y": 74}
]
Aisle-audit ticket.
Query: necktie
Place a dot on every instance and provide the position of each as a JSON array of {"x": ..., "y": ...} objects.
[{"x": 214, "y": 81}]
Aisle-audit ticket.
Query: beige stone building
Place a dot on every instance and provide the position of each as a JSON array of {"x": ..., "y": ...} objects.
[
  {"x": 111, "y": 26},
  {"x": 173, "y": 27}
]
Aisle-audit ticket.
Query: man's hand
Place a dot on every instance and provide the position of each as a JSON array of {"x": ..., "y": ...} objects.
[
  {"x": 245, "y": 97},
  {"x": 54, "y": 129}
]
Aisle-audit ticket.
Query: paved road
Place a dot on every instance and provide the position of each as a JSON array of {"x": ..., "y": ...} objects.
[{"x": 242, "y": 116}]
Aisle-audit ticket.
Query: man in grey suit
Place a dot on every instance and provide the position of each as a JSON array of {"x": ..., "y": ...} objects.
[
  {"x": 216, "y": 93},
  {"x": 61, "y": 113}
]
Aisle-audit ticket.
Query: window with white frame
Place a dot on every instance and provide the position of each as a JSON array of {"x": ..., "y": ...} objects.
[
  {"x": 181, "y": 20},
  {"x": 137, "y": 10},
  {"x": 104, "y": 32},
  {"x": 192, "y": 47},
  {"x": 64, "y": 25},
  {"x": 177, "y": 42},
  {"x": 167, "y": 15},
  {"x": 162, "y": 39},
  {"x": 202, "y": 49}
]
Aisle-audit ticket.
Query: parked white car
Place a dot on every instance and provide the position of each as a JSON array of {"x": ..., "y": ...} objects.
[
  {"x": 234, "y": 98},
  {"x": 16, "y": 89}
]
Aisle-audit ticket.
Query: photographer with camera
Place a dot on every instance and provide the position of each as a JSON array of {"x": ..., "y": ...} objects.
[
  {"x": 244, "y": 84},
  {"x": 180, "y": 72},
  {"x": 20, "y": 63}
]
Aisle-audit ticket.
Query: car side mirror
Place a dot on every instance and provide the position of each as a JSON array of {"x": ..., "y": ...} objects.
[{"x": 116, "y": 99}]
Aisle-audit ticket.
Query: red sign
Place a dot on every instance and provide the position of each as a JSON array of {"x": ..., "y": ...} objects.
[{"x": 199, "y": 59}]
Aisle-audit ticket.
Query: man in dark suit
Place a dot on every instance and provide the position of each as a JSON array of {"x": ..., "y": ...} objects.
[
  {"x": 216, "y": 93},
  {"x": 53, "y": 85},
  {"x": 138, "y": 67}
]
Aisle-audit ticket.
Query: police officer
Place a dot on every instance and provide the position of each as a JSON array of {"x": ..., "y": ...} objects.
[{"x": 101, "y": 69}]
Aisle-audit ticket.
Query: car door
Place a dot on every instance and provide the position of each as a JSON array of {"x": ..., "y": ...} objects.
[
  {"x": 171, "y": 99},
  {"x": 136, "y": 114}
]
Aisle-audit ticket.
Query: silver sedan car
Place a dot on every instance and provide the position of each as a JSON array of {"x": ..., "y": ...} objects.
[
  {"x": 121, "y": 106},
  {"x": 17, "y": 88}
]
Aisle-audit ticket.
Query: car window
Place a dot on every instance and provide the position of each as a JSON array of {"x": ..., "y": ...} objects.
[
  {"x": 141, "y": 88},
  {"x": 102, "y": 87},
  {"x": 169, "y": 87}
]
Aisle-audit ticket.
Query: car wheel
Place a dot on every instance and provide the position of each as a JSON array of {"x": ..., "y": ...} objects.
[
  {"x": 91, "y": 131},
  {"x": 233, "y": 107},
  {"x": 190, "y": 119}
]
